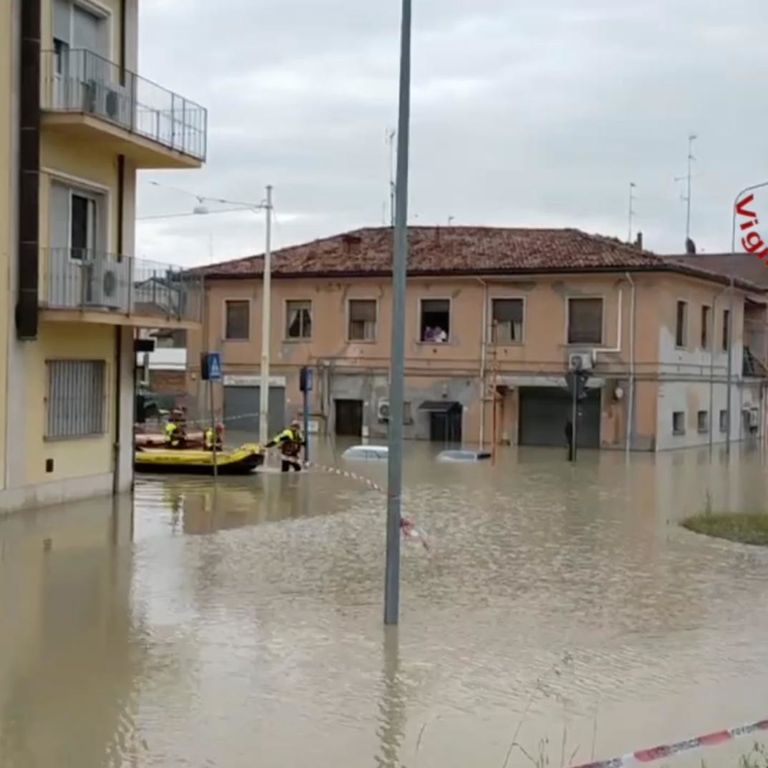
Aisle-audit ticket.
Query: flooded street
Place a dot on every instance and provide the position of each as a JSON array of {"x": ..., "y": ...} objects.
[{"x": 560, "y": 604}]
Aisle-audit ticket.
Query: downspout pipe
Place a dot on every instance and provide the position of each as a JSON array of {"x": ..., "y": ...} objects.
[
  {"x": 29, "y": 174},
  {"x": 712, "y": 347},
  {"x": 483, "y": 361},
  {"x": 632, "y": 329}
]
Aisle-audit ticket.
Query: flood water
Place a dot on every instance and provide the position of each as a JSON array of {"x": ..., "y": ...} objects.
[{"x": 560, "y": 606}]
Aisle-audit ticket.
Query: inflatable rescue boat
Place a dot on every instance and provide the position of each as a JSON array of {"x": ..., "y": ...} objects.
[{"x": 237, "y": 461}]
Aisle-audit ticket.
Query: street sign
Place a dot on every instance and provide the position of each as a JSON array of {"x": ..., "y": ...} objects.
[
  {"x": 306, "y": 379},
  {"x": 210, "y": 366}
]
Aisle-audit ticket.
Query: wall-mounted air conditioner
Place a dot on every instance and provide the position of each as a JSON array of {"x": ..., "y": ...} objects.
[
  {"x": 102, "y": 284},
  {"x": 382, "y": 411},
  {"x": 581, "y": 361}
]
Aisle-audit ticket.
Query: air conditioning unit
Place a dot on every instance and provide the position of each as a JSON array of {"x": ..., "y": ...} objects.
[
  {"x": 382, "y": 411},
  {"x": 108, "y": 100},
  {"x": 581, "y": 361},
  {"x": 102, "y": 284},
  {"x": 754, "y": 417}
]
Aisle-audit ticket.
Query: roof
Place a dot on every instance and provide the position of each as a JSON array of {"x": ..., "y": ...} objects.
[
  {"x": 744, "y": 266},
  {"x": 455, "y": 250}
]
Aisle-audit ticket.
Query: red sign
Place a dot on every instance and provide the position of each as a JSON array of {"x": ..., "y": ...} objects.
[{"x": 751, "y": 240}]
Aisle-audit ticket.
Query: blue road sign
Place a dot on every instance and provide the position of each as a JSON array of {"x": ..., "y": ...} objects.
[{"x": 214, "y": 366}]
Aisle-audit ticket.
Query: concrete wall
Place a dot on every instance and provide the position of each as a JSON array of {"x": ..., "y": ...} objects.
[{"x": 458, "y": 369}]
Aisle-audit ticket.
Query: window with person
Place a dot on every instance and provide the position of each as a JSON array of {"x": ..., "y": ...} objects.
[{"x": 435, "y": 320}]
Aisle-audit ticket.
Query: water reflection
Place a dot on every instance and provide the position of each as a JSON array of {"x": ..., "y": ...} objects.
[{"x": 242, "y": 622}]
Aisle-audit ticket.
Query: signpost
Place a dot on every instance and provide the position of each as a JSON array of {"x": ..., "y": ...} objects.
[
  {"x": 576, "y": 380},
  {"x": 210, "y": 368},
  {"x": 305, "y": 385}
]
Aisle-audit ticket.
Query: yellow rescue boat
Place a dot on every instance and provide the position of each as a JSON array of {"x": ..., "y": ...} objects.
[{"x": 239, "y": 461}]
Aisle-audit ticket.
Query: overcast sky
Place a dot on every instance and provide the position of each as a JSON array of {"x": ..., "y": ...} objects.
[{"x": 525, "y": 113}]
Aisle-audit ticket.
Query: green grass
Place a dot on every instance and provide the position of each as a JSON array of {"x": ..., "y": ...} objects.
[{"x": 743, "y": 528}]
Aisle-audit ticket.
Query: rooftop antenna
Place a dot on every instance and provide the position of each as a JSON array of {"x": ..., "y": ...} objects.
[
  {"x": 632, "y": 187},
  {"x": 688, "y": 179},
  {"x": 391, "y": 135},
  {"x": 451, "y": 220}
]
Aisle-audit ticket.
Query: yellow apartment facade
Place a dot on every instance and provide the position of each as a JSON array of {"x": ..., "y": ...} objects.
[
  {"x": 494, "y": 320},
  {"x": 78, "y": 124}
]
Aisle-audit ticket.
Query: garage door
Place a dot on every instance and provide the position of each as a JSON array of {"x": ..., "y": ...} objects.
[
  {"x": 241, "y": 409},
  {"x": 544, "y": 412}
]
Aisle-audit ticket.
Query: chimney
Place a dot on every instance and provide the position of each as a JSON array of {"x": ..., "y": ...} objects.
[
  {"x": 639, "y": 241},
  {"x": 690, "y": 247}
]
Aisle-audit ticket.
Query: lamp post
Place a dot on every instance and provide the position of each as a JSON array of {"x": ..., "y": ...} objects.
[
  {"x": 266, "y": 299},
  {"x": 738, "y": 197},
  {"x": 397, "y": 369}
]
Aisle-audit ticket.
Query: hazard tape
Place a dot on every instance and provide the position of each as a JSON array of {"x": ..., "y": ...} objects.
[
  {"x": 407, "y": 526},
  {"x": 665, "y": 751}
]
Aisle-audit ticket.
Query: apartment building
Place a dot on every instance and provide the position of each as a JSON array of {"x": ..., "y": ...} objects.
[
  {"x": 494, "y": 320},
  {"x": 78, "y": 123}
]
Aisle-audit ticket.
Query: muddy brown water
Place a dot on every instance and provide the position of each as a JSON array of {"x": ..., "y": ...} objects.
[{"x": 561, "y": 606}]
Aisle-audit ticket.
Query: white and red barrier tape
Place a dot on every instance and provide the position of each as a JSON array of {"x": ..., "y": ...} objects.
[
  {"x": 407, "y": 526},
  {"x": 665, "y": 751}
]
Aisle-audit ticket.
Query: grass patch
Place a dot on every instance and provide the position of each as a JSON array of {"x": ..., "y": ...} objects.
[{"x": 742, "y": 528}]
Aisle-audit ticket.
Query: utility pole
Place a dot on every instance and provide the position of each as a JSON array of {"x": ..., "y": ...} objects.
[
  {"x": 397, "y": 366},
  {"x": 266, "y": 326},
  {"x": 688, "y": 197},
  {"x": 391, "y": 134},
  {"x": 632, "y": 186}
]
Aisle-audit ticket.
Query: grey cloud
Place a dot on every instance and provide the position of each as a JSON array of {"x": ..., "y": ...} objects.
[{"x": 524, "y": 113}]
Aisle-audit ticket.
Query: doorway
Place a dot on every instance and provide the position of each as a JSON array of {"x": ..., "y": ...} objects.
[{"x": 349, "y": 418}]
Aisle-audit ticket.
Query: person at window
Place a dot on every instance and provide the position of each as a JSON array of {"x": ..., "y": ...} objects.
[
  {"x": 290, "y": 442},
  {"x": 440, "y": 336},
  {"x": 429, "y": 334}
]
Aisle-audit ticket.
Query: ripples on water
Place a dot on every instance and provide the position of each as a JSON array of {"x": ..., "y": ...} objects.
[{"x": 242, "y": 626}]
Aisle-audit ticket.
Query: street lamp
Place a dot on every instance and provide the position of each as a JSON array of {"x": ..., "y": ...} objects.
[
  {"x": 201, "y": 209},
  {"x": 266, "y": 300},
  {"x": 738, "y": 197}
]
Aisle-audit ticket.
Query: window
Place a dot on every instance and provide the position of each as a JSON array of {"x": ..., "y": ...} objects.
[
  {"x": 681, "y": 325},
  {"x": 298, "y": 320},
  {"x": 705, "y": 321},
  {"x": 585, "y": 321},
  {"x": 76, "y": 221},
  {"x": 507, "y": 319},
  {"x": 237, "y": 320},
  {"x": 726, "y": 328},
  {"x": 362, "y": 320},
  {"x": 724, "y": 420},
  {"x": 702, "y": 420},
  {"x": 75, "y": 398},
  {"x": 678, "y": 423},
  {"x": 435, "y": 320}
]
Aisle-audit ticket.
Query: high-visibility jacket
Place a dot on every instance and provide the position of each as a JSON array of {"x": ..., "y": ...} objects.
[{"x": 289, "y": 441}]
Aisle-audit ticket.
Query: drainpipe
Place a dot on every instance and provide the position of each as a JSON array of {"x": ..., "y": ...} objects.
[
  {"x": 29, "y": 174},
  {"x": 632, "y": 328},
  {"x": 730, "y": 363},
  {"x": 712, "y": 346},
  {"x": 483, "y": 360}
]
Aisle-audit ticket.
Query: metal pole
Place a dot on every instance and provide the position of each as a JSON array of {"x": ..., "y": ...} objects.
[
  {"x": 266, "y": 326},
  {"x": 306, "y": 425},
  {"x": 213, "y": 428},
  {"x": 397, "y": 368},
  {"x": 730, "y": 363},
  {"x": 574, "y": 418}
]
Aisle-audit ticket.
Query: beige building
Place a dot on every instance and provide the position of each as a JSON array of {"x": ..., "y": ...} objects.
[
  {"x": 78, "y": 123},
  {"x": 495, "y": 317}
]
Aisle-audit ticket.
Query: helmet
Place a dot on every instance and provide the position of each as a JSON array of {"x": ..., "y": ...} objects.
[{"x": 296, "y": 424}]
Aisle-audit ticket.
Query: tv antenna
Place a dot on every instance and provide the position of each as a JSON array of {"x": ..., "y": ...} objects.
[
  {"x": 632, "y": 187},
  {"x": 688, "y": 179}
]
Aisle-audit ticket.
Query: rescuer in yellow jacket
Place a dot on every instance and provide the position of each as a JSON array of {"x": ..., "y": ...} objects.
[{"x": 290, "y": 442}]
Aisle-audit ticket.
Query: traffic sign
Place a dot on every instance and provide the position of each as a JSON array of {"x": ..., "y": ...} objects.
[{"x": 210, "y": 366}]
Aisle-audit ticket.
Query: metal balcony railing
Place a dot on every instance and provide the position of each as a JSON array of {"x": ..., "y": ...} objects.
[
  {"x": 92, "y": 280},
  {"x": 81, "y": 81}
]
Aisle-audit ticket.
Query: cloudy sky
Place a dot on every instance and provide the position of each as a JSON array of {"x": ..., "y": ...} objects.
[{"x": 525, "y": 113}]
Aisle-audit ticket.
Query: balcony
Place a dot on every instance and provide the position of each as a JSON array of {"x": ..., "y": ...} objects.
[
  {"x": 78, "y": 285},
  {"x": 86, "y": 95}
]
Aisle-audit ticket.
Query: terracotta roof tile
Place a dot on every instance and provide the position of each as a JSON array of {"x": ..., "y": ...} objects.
[{"x": 456, "y": 250}]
